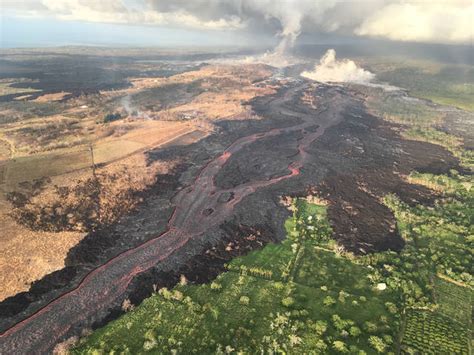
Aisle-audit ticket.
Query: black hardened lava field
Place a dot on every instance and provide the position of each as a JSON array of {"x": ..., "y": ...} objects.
[{"x": 230, "y": 184}]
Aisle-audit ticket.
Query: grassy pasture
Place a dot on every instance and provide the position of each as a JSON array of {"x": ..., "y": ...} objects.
[{"x": 35, "y": 167}]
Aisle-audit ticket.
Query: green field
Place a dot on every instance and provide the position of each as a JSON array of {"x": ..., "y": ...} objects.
[
  {"x": 445, "y": 84},
  {"x": 451, "y": 85},
  {"x": 400, "y": 110},
  {"x": 442, "y": 234}
]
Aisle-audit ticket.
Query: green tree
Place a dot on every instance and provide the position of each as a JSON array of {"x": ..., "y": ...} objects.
[
  {"x": 370, "y": 327},
  {"x": 329, "y": 301},
  {"x": 377, "y": 343},
  {"x": 340, "y": 346},
  {"x": 391, "y": 307},
  {"x": 354, "y": 331},
  {"x": 321, "y": 345},
  {"x": 338, "y": 322},
  {"x": 320, "y": 327},
  {"x": 287, "y": 301}
]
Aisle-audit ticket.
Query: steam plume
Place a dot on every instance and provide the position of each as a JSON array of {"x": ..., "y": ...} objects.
[{"x": 330, "y": 69}]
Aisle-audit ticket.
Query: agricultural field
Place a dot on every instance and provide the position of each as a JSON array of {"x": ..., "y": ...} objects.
[
  {"x": 440, "y": 235},
  {"x": 454, "y": 300},
  {"x": 431, "y": 333}
]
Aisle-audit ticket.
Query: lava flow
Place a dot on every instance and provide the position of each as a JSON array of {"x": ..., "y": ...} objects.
[{"x": 108, "y": 283}]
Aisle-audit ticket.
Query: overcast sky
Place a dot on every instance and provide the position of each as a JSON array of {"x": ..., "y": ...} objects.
[{"x": 229, "y": 22}]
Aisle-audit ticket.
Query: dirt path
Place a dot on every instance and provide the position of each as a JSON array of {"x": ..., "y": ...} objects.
[{"x": 198, "y": 208}]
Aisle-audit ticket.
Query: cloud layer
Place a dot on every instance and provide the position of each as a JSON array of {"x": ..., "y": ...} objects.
[
  {"x": 118, "y": 12},
  {"x": 443, "y": 21},
  {"x": 331, "y": 70}
]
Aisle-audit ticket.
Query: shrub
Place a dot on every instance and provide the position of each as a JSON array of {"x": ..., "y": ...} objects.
[
  {"x": 110, "y": 117},
  {"x": 64, "y": 347},
  {"x": 177, "y": 295},
  {"x": 127, "y": 305},
  {"x": 167, "y": 294}
]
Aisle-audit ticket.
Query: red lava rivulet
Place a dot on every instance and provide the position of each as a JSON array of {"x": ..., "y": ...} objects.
[{"x": 42, "y": 330}]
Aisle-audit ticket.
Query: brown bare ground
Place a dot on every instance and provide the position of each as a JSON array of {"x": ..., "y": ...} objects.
[
  {"x": 222, "y": 105},
  {"x": 27, "y": 255},
  {"x": 143, "y": 135},
  {"x": 64, "y": 197},
  {"x": 242, "y": 74},
  {"x": 58, "y": 96},
  {"x": 235, "y": 84}
]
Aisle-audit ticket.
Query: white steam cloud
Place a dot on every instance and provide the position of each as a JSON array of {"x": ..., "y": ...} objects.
[{"x": 331, "y": 70}]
